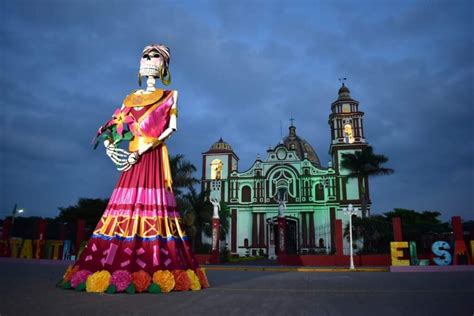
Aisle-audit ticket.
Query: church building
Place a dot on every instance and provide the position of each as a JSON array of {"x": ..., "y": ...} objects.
[{"x": 291, "y": 174}]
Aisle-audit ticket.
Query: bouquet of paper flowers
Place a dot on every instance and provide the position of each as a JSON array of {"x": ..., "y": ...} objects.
[{"x": 119, "y": 128}]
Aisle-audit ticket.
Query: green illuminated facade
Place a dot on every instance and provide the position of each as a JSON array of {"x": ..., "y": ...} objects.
[{"x": 314, "y": 194}]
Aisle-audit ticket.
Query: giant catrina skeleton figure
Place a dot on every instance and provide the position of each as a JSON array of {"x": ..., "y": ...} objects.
[{"x": 140, "y": 245}]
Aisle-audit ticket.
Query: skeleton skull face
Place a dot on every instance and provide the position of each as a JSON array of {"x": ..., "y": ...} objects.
[
  {"x": 151, "y": 63},
  {"x": 155, "y": 63}
]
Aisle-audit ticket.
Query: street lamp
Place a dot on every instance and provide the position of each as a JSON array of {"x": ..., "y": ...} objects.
[
  {"x": 14, "y": 213},
  {"x": 350, "y": 210}
]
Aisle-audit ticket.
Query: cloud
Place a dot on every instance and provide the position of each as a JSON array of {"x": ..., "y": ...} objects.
[{"x": 240, "y": 71}]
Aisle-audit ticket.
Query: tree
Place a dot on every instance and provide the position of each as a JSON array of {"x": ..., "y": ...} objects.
[
  {"x": 224, "y": 215},
  {"x": 182, "y": 173},
  {"x": 197, "y": 216},
  {"x": 90, "y": 210},
  {"x": 421, "y": 227},
  {"x": 201, "y": 210},
  {"x": 25, "y": 227},
  {"x": 376, "y": 231},
  {"x": 363, "y": 164}
]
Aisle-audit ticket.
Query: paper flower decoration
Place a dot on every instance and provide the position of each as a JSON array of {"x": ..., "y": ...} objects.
[
  {"x": 121, "y": 279},
  {"x": 120, "y": 118},
  {"x": 201, "y": 273},
  {"x": 182, "y": 280},
  {"x": 79, "y": 277},
  {"x": 119, "y": 128},
  {"x": 195, "y": 285},
  {"x": 165, "y": 280},
  {"x": 141, "y": 280},
  {"x": 70, "y": 272},
  {"x": 98, "y": 282}
]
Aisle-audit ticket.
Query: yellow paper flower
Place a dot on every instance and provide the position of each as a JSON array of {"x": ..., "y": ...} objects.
[
  {"x": 98, "y": 282},
  {"x": 165, "y": 280},
  {"x": 195, "y": 284}
]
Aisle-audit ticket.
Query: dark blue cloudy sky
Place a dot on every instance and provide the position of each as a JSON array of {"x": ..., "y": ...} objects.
[{"x": 241, "y": 68}]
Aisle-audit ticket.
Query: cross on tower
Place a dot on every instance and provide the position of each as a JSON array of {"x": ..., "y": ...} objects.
[
  {"x": 342, "y": 80},
  {"x": 292, "y": 120}
]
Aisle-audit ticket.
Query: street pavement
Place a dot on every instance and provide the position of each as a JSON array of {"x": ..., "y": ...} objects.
[{"x": 28, "y": 288}]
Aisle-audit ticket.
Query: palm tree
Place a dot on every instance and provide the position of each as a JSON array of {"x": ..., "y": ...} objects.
[
  {"x": 198, "y": 213},
  {"x": 363, "y": 164},
  {"x": 182, "y": 173}
]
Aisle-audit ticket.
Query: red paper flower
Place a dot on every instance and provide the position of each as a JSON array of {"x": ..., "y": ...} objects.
[
  {"x": 141, "y": 280},
  {"x": 182, "y": 280},
  {"x": 202, "y": 278}
]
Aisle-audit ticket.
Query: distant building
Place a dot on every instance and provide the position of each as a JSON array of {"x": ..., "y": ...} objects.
[{"x": 290, "y": 171}]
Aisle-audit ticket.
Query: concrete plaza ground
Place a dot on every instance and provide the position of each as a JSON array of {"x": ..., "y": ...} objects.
[{"x": 28, "y": 288}]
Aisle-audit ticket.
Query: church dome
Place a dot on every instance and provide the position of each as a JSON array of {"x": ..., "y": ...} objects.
[
  {"x": 221, "y": 146},
  {"x": 344, "y": 89},
  {"x": 302, "y": 147},
  {"x": 344, "y": 93}
]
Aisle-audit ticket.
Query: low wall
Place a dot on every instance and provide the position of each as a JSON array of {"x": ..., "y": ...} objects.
[
  {"x": 203, "y": 259},
  {"x": 334, "y": 260},
  {"x": 462, "y": 268}
]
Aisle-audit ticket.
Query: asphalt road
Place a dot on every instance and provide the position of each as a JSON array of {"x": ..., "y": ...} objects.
[{"x": 29, "y": 289}]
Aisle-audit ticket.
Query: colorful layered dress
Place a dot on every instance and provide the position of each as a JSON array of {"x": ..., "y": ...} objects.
[{"x": 139, "y": 243}]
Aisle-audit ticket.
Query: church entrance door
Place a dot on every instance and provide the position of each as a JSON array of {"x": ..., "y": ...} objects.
[{"x": 291, "y": 236}]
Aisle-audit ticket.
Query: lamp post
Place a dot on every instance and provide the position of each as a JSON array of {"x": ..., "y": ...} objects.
[{"x": 350, "y": 210}]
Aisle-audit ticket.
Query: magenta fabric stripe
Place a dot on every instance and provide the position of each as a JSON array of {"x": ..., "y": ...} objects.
[
  {"x": 148, "y": 213},
  {"x": 140, "y": 207},
  {"x": 144, "y": 196}
]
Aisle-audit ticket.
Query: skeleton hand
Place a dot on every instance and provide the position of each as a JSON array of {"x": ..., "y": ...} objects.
[{"x": 121, "y": 158}]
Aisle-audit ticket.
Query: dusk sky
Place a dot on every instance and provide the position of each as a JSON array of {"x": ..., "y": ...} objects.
[{"x": 241, "y": 68}]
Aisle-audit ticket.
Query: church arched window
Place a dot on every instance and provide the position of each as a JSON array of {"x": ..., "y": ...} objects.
[
  {"x": 319, "y": 192},
  {"x": 246, "y": 194}
]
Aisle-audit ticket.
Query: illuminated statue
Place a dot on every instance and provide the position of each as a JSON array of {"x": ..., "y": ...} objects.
[
  {"x": 140, "y": 233},
  {"x": 281, "y": 198},
  {"x": 216, "y": 169},
  {"x": 216, "y": 206}
]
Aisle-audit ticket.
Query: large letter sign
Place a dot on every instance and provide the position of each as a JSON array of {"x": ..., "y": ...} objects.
[
  {"x": 472, "y": 250},
  {"x": 440, "y": 249},
  {"x": 413, "y": 256},
  {"x": 397, "y": 253}
]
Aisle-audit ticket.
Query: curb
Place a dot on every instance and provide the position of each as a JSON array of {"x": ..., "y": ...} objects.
[
  {"x": 293, "y": 269},
  {"x": 219, "y": 267},
  {"x": 36, "y": 261}
]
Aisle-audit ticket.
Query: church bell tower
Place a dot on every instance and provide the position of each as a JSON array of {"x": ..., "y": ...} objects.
[
  {"x": 217, "y": 164},
  {"x": 347, "y": 137}
]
